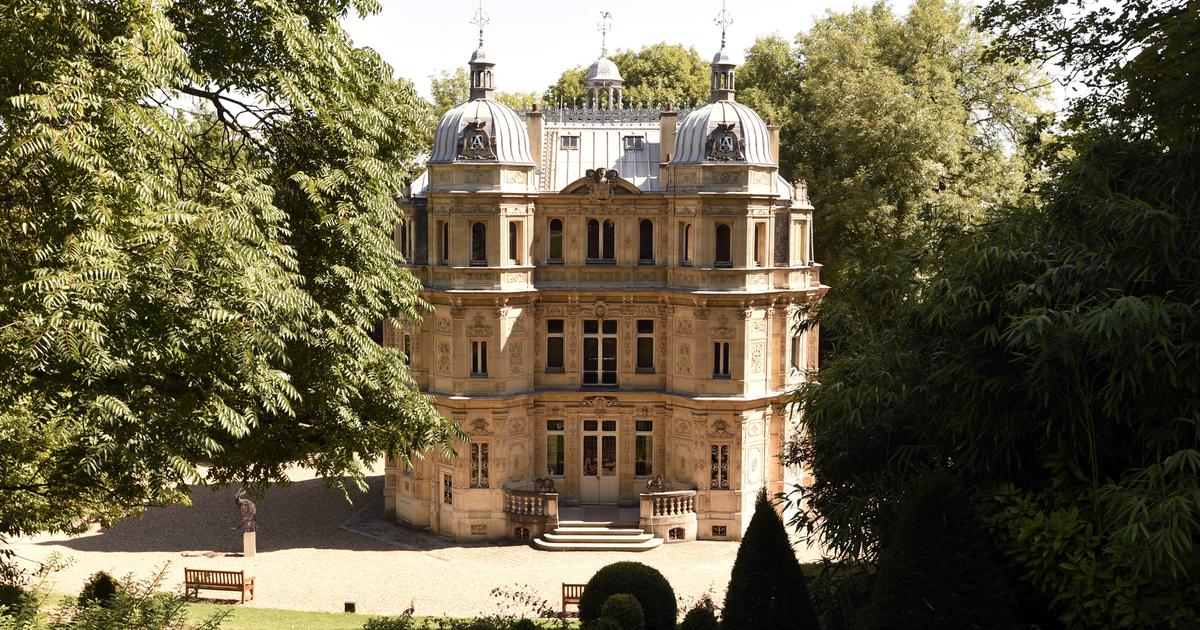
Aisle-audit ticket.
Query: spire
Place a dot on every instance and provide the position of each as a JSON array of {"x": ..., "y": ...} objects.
[
  {"x": 481, "y": 67},
  {"x": 604, "y": 27},
  {"x": 722, "y": 65}
]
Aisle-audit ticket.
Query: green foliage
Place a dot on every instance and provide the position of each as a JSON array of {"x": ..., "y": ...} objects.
[
  {"x": 198, "y": 205},
  {"x": 767, "y": 588},
  {"x": 645, "y": 583},
  {"x": 100, "y": 589},
  {"x": 700, "y": 618},
  {"x": 900, "y": 126},
  {"x": 624, "y": 610},
  {"x": 660, "y": 73},
  {"x": 940, "y": 570},
  {"x": 838, "y": 590}
]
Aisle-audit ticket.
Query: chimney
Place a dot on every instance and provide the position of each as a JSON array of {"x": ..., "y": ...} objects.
[
  {"x": 533, "y": 123},
  {"x": 668, "y": 121},
  {"x": 773, "y": 130}
]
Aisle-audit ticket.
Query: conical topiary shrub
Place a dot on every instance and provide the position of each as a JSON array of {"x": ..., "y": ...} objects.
[{"x": 767, "y": 588}]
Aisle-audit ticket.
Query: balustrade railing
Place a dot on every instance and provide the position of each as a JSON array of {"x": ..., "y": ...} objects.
[
  {"x": 673, "y": 503},
  {"x": 531, "y": 503}
]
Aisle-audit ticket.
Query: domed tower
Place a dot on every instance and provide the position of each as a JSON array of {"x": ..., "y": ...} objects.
[{"x": 603, "y": 84}]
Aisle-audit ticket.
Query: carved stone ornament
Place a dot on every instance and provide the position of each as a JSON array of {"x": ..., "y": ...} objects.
[
  {"x": 479, "y": 328},
  {"x": 654, "y": 484},
  {"x": 479, "y": 426},
  {"x": 600, "y": 404},
  {"x": 600, "y": 310},
  {"x": 600, "y": 183},
  {"x": 475, "y": 143},
  {"x": 720, "y": 430},
  {"x": 724, "y": 146},
  {"x": 543, "y": 484}
]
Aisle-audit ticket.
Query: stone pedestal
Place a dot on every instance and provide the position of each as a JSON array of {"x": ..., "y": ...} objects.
[{"x": 248, "y": 544}]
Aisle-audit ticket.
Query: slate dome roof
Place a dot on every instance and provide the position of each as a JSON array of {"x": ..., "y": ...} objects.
[
  {"x": 695, "y": 129},
  {"x": 510, "y": 136},
  {"x": 603, "y": 69}
]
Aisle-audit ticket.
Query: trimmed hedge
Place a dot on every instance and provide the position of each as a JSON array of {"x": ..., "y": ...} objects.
[
  {"x": 625, "y": 610},
  {"x": 645, "y": 583},
  {"x": 700, "y": 618}
]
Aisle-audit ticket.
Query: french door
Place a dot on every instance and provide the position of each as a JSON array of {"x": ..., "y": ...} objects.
[{"x": 599, "y": 482}]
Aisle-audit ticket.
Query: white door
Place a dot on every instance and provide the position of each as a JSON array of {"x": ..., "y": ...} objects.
[{"x": 599, "y": 482}]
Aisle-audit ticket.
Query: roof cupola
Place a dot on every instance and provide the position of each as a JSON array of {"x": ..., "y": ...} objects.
[
  {"x": 482, "y": 81},
  {"x": 603, "y": 84},
  {"x": 722, "y": 65}
]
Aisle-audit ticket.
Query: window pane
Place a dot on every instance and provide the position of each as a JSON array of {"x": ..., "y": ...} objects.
[
  {"x": 609, "y": 237},
  {"x": 716, "y": 358},
  {"x": 608, "y": 464},
  {"x": 478, "y": 243},
  {"x": 646, "y": 240},
  {"x": 645, "y": 326},
  {"x": 610, "y": 361},
  {"x": 591, "y": 358},
  {"x": 643, "y": 456},
  {"x": 593, "y": 238},
  {"x": 556, "y": 240},
  {"x": 554, "y": 353},
  {"x": 590, "y": 425},
  {"x": 591, "y": 326},
  {"x": 554, "y": 455},
  {"x": 589, "y": 456},
  {"x": 610, "y": 326},
  {"x": 644, "y": 425},
  {"x": 645, "y": 353},
  {"x": 554, "y": 325},
  {"x": 723, "y": 245},
  {"x": 555, "y": 425},
  {"x": 608, "y": 425}
]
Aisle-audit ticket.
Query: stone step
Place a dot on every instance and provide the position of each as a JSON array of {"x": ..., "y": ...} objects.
[
  {"x": 647, "y": 545},
  {"x": 638, "y": 537},
  {"x": 616, "y": 524},
  {"x": 589, "y": 531}
]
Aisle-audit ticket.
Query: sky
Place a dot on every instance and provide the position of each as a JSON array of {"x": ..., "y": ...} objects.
[{"x": 533, "y": 41}]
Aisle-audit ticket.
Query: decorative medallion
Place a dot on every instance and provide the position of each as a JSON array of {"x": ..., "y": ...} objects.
[
  {"x": 724, "y": 146},
  {"x": 600, "y": 404},
  {"x": 475, "y": 143}
]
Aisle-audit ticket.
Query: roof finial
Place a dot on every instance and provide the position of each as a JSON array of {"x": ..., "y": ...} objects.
[
  {"x": 481, "y": 20},
  {"x": 604, "y": 26},
  {"x": 723, "y": 20}
]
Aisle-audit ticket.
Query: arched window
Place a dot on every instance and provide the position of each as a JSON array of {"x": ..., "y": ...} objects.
[
  {"x": 601, "y": 246},
  {"x": 514, "y": 243},
  {"x": 685, "y": 245},
  {"x": 478, "y": 244},
  {"x": 556, "y": 240},
  {"x": 724, "y": 256},
  {"x": 760, "y": 244},
  {"x": 444, "y": 251},
  {"x": 646, "y": 242},
  {"x": 404, "y": 250}
]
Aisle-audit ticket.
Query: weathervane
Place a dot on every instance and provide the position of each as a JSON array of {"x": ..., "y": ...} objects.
[
  {"x": 604, "y": 26},
  {"x": 723, "y": 20},
  {"x": 481, "y": 20}
]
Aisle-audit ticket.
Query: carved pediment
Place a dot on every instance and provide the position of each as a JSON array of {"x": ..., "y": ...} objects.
[{"x": 601, "y": 184}]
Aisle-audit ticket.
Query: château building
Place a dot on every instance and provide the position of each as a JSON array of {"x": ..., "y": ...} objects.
[{"x": 615, "y": 296}]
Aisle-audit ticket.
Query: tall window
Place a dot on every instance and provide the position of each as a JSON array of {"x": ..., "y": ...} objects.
[
  {"x": 721, "y": 359},
  {"x": 645, "y": 345},
  {"x": 599, "y": 352},
  {"x": 447, "y": 489},
  {"x": 555, "y": 454},
  {"x": 601, "y": 247},
  {"x": 685, "y": 244},
  {"x": 554, "y": 345},
  {"x": 798, "y": 352},
  {"x": 760, "y": 244},
  {"x": 478, "y": 358},
  {"x": 514, "y": 242},
  {"x": 479, "y": 465},
  {"x": 556, "y": 241},
  {"x": 407, "y": 349},
  {"x": 443, "y": 243},
  {"x": 643, "y": 448},
  {"x": 646, "y": 242},
  {"x": 405, "y": 240},
  {"x": 724, "y": 257},
  {"x": 719, "y": 467},
  {"x": 478, "y": 244}
]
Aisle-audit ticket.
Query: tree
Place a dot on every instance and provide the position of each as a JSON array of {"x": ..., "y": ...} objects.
[
  {"x": 767, "y": 588},
  {"x": 1048, "y": 359},
  {"x": 657, "y": 74},
  {"x": 899, "y": 125},
  {"x": 197, "y": 211}
]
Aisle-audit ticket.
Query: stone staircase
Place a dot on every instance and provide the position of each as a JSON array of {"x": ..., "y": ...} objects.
[{"x": 596, "y": 536}]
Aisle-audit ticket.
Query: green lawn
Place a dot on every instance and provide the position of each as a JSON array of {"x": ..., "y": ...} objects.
[{"x": 243, "y": 618}]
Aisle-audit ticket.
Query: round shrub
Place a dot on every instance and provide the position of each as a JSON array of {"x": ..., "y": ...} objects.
[
  {"x": 625, "y": 610},
  {"x": 645, "y": 583},
  {"x": 700, "y": 618},
  {"x": 100, "y": 589}
]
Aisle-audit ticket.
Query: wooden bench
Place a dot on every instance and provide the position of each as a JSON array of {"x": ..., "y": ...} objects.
[
  {"x": 571, "y": 595},
  {"x": 196, "y": 579}
]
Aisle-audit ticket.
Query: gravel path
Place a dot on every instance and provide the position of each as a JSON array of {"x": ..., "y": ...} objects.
[{"x": 316, "y": 550}]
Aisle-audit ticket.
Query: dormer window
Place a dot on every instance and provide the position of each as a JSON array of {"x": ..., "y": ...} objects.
[
  {"x": 635, "y": 143},
  {"x": 570, "y": 143}
]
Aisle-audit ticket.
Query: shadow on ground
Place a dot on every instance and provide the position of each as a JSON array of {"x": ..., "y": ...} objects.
[{"x": 303, "y": 514}]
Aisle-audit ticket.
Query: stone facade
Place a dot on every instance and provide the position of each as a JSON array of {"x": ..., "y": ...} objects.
[{"x": 603, "y": 334}]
